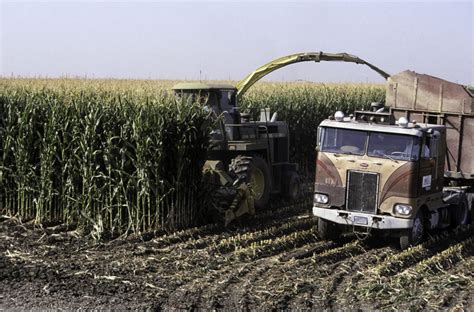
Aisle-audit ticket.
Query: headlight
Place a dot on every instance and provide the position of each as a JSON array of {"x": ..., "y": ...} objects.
[
  {"x": 403, "y": 209},
  {"x": 321, "y": 198}
]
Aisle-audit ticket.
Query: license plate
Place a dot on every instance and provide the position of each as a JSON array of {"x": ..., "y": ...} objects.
[{"x": 360, "y": 220}]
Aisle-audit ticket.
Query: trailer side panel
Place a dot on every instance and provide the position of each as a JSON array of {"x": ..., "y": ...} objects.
[{"x": 428, "y": 99}]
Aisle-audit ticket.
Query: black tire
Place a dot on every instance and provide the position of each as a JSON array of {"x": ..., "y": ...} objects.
[
  {"x": 416, "y": 234},
  {"x": 292, "y": 187},
  {"x": 328, "y": 230},
  {"x": 460, "y": 214},
  {"x": 470, "y": 201},
  {"x": 254, "y": 170}
]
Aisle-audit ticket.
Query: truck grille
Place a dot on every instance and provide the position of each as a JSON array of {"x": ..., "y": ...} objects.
[{"x": 362, "y": 188}]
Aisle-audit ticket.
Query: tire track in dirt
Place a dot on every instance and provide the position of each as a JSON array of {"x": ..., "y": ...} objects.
[
  {"x": 255, "y": 271},
  {"x": 238, "y": 247},
  {"x": 247, "y": 258},
  {"x": 183, "y": 258},
  {"x": 208, "y": 235},
  {"x": 193, "y": 261},
  {"x": 325, "y": 267},
  {"x": 241, "y": 240},
  {"x": 347, "y": 275},
  {"x": 295, "y": 277}
]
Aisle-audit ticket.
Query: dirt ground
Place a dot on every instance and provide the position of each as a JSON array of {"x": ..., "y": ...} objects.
[{"x": 273, "y": 262}]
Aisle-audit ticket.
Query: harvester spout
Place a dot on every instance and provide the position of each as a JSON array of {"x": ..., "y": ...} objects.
[{"x": 256, "y": 75}]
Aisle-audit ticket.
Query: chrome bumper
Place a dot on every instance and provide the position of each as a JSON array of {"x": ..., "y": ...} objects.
[{"x": 358, "y": 219}]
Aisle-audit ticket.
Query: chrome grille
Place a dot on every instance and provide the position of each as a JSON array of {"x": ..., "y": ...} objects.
[{"x": 362, "y": 189}]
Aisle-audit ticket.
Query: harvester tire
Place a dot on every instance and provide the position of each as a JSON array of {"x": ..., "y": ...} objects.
[
  {"x": 328, "y": 230},
  {"x": 254, "y": 170}
]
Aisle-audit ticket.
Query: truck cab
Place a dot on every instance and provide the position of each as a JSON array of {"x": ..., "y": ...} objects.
[{"x": 375, "y": 172}]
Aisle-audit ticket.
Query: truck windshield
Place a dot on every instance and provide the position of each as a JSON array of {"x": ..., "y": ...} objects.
[
  {"x": 380, "y": 144},
  {"x": 343, "y": 141},
  {"x": 393, "y": 146}
]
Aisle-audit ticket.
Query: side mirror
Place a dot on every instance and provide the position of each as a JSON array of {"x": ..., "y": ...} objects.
[{"x": 435, "y": 135}]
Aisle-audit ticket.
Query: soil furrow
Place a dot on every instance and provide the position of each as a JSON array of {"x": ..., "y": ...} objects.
[{"x": 274, "y": 262}]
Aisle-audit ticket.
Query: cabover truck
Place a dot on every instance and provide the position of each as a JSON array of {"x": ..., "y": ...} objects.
[{"x": 400, "y": 169}]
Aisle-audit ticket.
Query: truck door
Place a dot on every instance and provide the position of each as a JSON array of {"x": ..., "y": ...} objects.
[{"x": 430, "y": 174}]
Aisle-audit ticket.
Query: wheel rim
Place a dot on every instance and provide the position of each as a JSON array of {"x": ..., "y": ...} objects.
[{"x": 257, "y": 182}]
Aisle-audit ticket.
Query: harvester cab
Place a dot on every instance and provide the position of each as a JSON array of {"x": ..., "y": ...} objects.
[{"x": 219, "y": 99}]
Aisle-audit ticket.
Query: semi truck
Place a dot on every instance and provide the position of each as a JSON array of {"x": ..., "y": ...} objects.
[{"x": 402, "y": 168}]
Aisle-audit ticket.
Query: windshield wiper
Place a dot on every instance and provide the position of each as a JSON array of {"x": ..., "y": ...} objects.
[{"x": 387, "y": 156}]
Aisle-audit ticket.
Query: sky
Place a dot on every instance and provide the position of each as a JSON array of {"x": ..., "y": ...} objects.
[{"x": 218, "y": 40}]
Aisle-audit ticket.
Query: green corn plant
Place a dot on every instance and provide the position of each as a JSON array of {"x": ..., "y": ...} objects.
[{"x": 105, "y": 158}]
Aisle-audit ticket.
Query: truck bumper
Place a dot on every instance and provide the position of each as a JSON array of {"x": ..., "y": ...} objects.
[{"x": 362, "y": 219}]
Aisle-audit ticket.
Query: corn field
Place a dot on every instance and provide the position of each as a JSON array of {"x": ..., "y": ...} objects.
[
  {"x": 111, "y": 161},
  {"x": 124, "y": 156}
]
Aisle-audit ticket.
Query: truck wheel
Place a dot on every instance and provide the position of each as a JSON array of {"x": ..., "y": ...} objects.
[
  {"x": 460, "y": 213},
  {"x": 470, "y": 201},
  {"x": 292, "y": 190},
  {"x": 328, "y": 230},
  {"x": 416, "y": 234},
  {"x": 254, "y": 170}
]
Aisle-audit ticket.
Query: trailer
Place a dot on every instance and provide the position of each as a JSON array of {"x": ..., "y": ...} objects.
[{"x": 430, "y": 100}]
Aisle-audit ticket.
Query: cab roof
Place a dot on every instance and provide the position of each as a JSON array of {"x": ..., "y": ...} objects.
[
  {"x": 365, "y": 126},
  {"x": 203, "y": 86}
]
